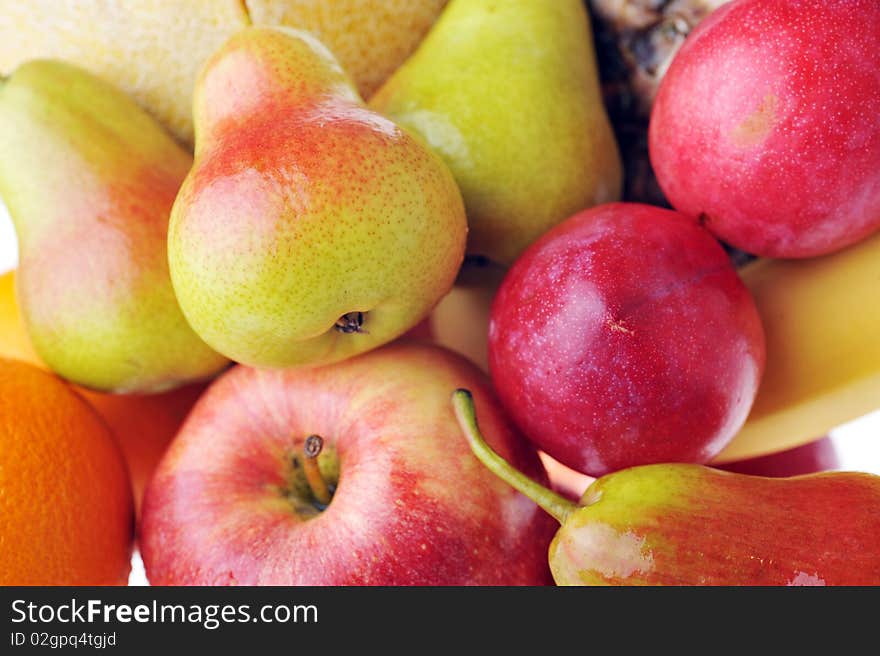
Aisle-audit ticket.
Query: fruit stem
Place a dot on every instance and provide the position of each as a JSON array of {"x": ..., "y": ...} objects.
[
  {"x": 351, "y": 322},
  {"x": 317, "y": 484},
  {"x": 557, "y": 506}
]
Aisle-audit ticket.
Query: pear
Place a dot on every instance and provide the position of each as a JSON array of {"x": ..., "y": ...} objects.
[
  {"x": 685, "y": 524},
  {"x": 310, "y": 228},
  {"x": 89, "y": 179},
  {"x": 507, "y": 92}
]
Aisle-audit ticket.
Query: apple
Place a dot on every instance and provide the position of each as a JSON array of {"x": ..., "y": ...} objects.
[
  {"x": 236, "y": 499},
  {"x": 624, "y": 337},
  {"x": 817, "y": 456}
]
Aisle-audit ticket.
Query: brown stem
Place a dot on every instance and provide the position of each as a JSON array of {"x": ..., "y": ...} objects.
[
  {"x": 352, "y": 322},
  {"x": 317, "y": 484}
]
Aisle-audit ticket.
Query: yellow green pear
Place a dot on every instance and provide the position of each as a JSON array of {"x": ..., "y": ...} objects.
[
  {"x": 89, "y": 180},
  {"x": 507, "y": 92},
  {"x": 310, "y": 228}
]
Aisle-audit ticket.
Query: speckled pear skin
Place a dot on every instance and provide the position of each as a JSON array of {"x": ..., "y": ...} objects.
[
  {"x": 507, "y": 92},
  {"x": 304, "y": 206},
  {"x": 682, "y": 524},
  {"x": 89, "y": 180}
]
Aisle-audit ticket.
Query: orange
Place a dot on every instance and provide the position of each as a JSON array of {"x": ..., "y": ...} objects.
[
  {"x": 143, "y": 425},
  {"x": 66, "y": 511}
]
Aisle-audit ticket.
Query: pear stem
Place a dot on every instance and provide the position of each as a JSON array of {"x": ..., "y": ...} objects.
[
  {"x": 556, "y": 505},
  {"x": 317, "y": 484},
  {"x": 352, "y": 322}
]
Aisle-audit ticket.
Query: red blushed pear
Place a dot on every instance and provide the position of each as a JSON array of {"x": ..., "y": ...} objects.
[
  {"x": 684, "y": 524},
  {"x": 89, "y": 179},
  {"x": 767, "y": 125},
  {"x": 624, "y": 337},
  {"x": 388, "y": 492},
  {"x": 310, "y": 228}
]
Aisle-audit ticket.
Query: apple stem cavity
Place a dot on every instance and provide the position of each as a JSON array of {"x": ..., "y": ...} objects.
[
  {"x": 556, "y": 505},
  {"x": 351, "y": 322},
  {"x": 313, "y": 446}
]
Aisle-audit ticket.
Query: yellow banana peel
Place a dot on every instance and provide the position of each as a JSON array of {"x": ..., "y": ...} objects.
[{"x": 822, "y": 321}]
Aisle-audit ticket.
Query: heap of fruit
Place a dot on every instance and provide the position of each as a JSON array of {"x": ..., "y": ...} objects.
[{"x": 246, "y": 324}]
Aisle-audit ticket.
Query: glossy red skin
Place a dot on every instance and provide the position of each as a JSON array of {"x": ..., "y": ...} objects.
[
  {"x": 699, "y": 526},
  {"x": 808, "y": 458},
  {"x": 767, "y": 124},
  {"x": 624, "y": 337},
  {"x": 413, "y": 505}
]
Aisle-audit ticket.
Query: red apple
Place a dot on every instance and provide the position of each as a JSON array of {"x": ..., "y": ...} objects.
[
  {"x": 810, "y": 458},
  {"x": 625, "y": 337},
  {"x": 231, "y": 504},
  {"x": 767, "y": 125}
]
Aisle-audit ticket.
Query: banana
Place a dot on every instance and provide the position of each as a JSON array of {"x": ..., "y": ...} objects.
[
  {"x": 822, "y": 321},
  {"x": 460, "y": 321}
]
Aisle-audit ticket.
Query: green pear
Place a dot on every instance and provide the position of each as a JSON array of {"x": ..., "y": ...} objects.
[
  {"x": 89, "y": 180},
  {"x": 507, "y": 92},
  {"x": 310, "y": 228}
]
